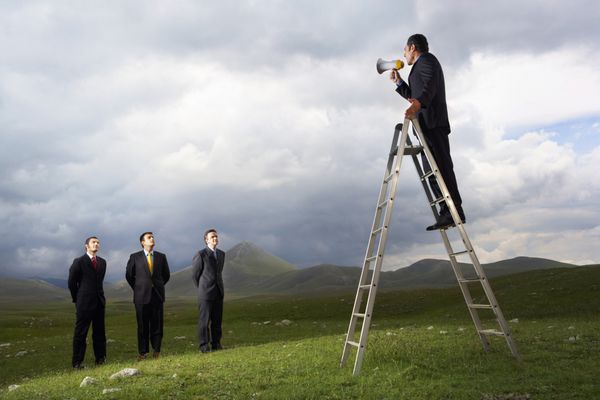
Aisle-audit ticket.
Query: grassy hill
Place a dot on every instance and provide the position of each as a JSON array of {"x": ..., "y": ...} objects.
[
  {"x": 438, "y": 273},
  {"x": 250, "y": 270},
  {"x": 422, "y": 346},
  {"x": 30, "y": 290},
  {"x": 245, "y": 265},
  {"x": 321, "y": 279}
]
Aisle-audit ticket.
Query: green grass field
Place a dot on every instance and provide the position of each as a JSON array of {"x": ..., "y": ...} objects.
[{"x": 422, "y": 346}]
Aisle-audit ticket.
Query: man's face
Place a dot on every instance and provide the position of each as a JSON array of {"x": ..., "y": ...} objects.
[
  {"x": 148, "y": 241},
  {"x": 93, "y": 245},
  {"x": 410, "y": 53},
  {"x": 212, "y": 239}
]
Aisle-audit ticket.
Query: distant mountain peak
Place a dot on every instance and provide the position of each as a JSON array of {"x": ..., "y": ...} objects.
[{"x": 245, "y": 249}]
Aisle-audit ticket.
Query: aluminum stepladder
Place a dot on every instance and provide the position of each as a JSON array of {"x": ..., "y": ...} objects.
[{"x": 369, "y": 278}]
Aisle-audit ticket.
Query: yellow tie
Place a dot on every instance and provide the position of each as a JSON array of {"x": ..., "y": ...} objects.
[{"x": 150, "y": 266}]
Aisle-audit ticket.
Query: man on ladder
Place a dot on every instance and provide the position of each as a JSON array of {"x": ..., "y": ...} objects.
[
  {"x": 426, "y": 93},
  {"x": 428, "y": 116}
]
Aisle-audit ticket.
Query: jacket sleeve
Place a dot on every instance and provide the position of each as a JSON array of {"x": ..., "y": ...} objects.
[
  {"x": 74, "y": 279},
  {"x": 404, "y": 90},
  {"x": 197, "y": 267},
  {"x": 166, "y": 273},
  {"x": 130, "y": 272},
  {"x": 429, "y": 75}
]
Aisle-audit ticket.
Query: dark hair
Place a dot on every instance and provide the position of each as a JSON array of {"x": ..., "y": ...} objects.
[
  {"x": 420, "y": 42},
  {"x": 87, "y": 241},
  {"x": 209, "y": 231},
  {"x": 144, "y": 234}
]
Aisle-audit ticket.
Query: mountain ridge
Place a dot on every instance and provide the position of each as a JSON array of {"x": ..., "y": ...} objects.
[{"x": 251, "y": 270}]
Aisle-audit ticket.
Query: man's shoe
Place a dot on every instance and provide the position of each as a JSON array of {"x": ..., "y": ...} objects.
[
  {"x": 216, "y": 347},
  {"x": 78, "y": 366},
  {"x": 204, "y": 349},
  {"x": 156, "y": 354},
  {"x": 141, "y": 357},
  {"x": 101, "y": 361},
  {"x": 445, "y": 221}
]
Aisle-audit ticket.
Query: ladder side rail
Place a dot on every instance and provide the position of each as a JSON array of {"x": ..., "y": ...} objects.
[
  {"x": 383, "y": 193},
  {"x": 487, "y": 288},
  {"x": 465, "y": 292},
  {"x": 364, "y": 334},
  {"x": 441, "y": 183},
  {"x": 426, "y": 188},
  {"x": 458, "y": 222}
]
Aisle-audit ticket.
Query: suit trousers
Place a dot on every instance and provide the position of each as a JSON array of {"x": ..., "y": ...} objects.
[
  {"x": 440, "y": 148},
  {"x": 149, "y": 324},
  {"x": 83, "y": 320},
  {"x": 209, "y": 322}
]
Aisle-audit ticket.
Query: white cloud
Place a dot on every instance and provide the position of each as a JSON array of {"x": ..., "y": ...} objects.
[{"x": 270, "y": 123}]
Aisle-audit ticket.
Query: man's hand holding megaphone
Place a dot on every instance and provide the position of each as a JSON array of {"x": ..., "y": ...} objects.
[
  {"x": 415, "y": 105},
  {"x": 395, "y": 76}
]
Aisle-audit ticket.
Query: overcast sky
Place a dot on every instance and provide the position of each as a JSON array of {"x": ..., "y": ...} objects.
[{"x": 267, "y": 121}]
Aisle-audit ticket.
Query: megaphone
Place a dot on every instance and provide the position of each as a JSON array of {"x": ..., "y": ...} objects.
[{"x": 383, "y": 65}]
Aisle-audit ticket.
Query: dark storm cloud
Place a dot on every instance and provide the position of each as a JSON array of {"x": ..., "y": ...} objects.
[{"x": 265, "y": 120}]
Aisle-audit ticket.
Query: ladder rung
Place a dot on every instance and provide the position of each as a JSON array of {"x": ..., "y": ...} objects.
[
  {"x": 364, "y": 287},
  {"x": 436, "y": 201},
  {"x": 412, "y": 150},
  {"x": 371, "y": 258},
  {"x": 426, "y": 175},
  {"x": 472, "y": 280},
  {"x": 389, "y": 177},
  {"x": 353, "y": 343},
  {"x": 483, "y": 306},
  {"x": 359, "y": 315},
  {"x": 376, "y": 231},
  {"x": 383, "y": 203},
  {"x": 492, "y": 332},
  {"x": 458, "y": 253},
  {"x": 394, "y": 151}
]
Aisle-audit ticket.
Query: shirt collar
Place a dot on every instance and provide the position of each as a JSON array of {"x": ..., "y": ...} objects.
[
  {"x": 146, "y": 253},
  {"x": 90, "y": 255}
]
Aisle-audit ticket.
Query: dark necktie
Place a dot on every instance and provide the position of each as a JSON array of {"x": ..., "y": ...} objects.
[
  {"x": 94, "y": 262},
  {"x": 215, "y": 255}
]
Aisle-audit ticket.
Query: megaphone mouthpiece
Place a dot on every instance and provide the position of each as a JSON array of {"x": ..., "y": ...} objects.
[{"x": 383, "y": 65}]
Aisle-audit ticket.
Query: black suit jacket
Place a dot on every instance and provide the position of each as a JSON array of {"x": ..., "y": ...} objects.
[
  {"x": 208, "y": 274},
  {"x": 426, "y": 84},
  {"x": 86, "y": 283},
  {"x": 138, "y": 276}
]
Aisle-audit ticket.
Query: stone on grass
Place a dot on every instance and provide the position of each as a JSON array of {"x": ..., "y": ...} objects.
[
  {"x": 124, "y": 373},
  {"x": 515, "y": 320},
  {"x": 21, "y": 353},
  {"x": 179, "y": 337},
  {"x": 88, "y": 380},
  {"x": 4, "y": 344},
  {"x": 443, "y": 332},
  {"x": 111, "y": 390},
  {"x": 286, "y": 322},
  {"x": 430, "y": 327},
  {"x": 266, "y": 322},
  {"x": 13, "y": 387}
]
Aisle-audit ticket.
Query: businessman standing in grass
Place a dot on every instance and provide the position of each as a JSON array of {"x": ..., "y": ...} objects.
[
  {"x": 208, "y": 278},
  {"x": 86, "y": 277},
  {"x": 147, "y": 273}
]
